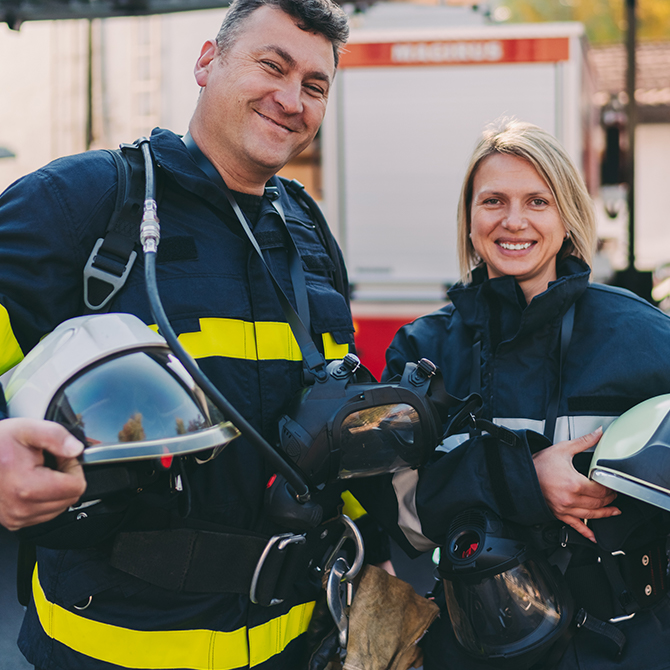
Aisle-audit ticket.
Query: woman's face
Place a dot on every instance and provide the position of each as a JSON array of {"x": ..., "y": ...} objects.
[{"x": 515, "y": 225}]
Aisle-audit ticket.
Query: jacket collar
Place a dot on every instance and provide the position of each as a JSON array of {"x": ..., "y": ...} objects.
[
  {"x": 173, "y": 157},
  {"x": 502, "y": 300}
]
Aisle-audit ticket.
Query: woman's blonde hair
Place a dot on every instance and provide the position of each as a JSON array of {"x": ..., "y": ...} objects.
[{"x": 553, "y": 164}]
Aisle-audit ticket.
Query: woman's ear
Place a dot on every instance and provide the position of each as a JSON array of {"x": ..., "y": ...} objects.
[{"x": 203, "y": 65}]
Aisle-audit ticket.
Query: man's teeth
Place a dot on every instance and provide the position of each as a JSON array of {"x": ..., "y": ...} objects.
[{"x": 515, "y": 247}]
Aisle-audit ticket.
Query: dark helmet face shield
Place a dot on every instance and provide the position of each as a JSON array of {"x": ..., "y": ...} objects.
[
  {"x": 341, "y": 428},
  {"x": 506, "y": 604},
  {"x": 114, "y": 383}
]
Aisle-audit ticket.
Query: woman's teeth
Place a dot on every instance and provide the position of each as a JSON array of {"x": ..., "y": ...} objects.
[{"x": 515, "y": 247}]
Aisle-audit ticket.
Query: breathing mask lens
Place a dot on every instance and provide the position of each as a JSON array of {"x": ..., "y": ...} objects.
[
  {"x": 380, "y": 439},
  {"x": 504, "y": 614}
]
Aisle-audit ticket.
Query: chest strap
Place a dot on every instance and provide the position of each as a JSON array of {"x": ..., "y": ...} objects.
[{"x": 230, "y": 561}]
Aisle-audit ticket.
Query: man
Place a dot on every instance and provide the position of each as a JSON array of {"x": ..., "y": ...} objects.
[{"x": 264, "y": 83}]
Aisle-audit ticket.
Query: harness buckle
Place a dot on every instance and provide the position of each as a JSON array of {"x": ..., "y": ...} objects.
[
  {"x": 281, "y": 541},
  {"x": 111, "y": 272}
]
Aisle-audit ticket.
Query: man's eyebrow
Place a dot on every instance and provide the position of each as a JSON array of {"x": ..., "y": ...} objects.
[{"x": 286, "y": 56}]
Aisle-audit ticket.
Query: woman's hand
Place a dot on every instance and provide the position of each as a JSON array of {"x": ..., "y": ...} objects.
[{"x": 570, "y": 496}]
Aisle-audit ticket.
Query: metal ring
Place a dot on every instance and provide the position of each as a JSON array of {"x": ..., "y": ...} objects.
[{"x": 90, "y": 600}]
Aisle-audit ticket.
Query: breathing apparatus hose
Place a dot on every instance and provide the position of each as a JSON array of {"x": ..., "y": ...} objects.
[{"x": 149, "y": 238}]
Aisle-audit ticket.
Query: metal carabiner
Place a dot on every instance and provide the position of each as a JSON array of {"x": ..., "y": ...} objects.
[
  {"x": 350, "y": 532},
  {"x": 339, "y": 593}
]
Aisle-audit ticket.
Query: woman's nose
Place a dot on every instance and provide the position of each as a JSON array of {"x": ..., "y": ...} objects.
[{"x": 514, "y": 219}]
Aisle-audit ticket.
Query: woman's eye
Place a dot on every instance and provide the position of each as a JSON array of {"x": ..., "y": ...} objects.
[{"x": 539, "y": 202}]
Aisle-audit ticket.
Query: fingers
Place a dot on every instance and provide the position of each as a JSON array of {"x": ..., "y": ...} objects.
[
  {"x": 584, "y": 442},
  {"x": 45, "y": 485},
  {"x": 31, "y": 493},
  {"x": 580, "y": 527},
  {"x": 46, "y": 435}
]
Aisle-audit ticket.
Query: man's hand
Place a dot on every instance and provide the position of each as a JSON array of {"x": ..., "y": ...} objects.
[
  {"x": 570, "y": 496},
  {"x": 30, "y": 492}
]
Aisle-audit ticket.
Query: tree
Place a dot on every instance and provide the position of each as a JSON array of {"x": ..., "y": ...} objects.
[{"x": 604, "y": 19}]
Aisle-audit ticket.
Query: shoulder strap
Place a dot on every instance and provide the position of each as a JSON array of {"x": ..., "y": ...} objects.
[
  {"x": 297, "y": 190},
  {"x": 113, "y": 255}
]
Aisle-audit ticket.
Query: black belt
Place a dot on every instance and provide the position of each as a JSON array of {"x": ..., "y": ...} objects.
[{"x": 231, "y": 561}]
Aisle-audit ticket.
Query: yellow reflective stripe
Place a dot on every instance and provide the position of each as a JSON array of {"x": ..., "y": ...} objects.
[
  {"x": 275, "y": 341},
  {"x": 163, "y": 650},
  {"x": 277, "y": 633},
  {"x": 352, "y": 508},
  {"x": 10, "y": 351},
  {"x": 331, "y": 349},
  {"x": 255, "y": 341},
  {"x": 231, "y": 338}
]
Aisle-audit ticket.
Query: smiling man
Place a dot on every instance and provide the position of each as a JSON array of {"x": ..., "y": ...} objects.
[{"x": 179, "y": 601}]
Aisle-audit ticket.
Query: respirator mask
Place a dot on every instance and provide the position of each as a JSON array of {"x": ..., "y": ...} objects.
[
  {"x": 342, "y": 427},
  {"x": 507, "y": 605}
]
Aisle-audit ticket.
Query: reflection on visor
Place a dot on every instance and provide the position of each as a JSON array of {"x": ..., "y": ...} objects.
[
  {"x": 381, "y": 439},
  {"x": 133, "y": 398},
  {"x": 505, "y": 614}
]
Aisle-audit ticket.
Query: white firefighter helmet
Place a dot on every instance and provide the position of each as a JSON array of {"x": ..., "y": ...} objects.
[
  {"x": 633, "y": 456},
  {"x": 114, "y": 383}
]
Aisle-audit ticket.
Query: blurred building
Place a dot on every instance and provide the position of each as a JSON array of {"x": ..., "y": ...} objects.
[{"x": 652, "y": 149}]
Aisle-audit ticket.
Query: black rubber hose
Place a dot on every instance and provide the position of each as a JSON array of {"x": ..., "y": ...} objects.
[{"x": 252, "y": 435}]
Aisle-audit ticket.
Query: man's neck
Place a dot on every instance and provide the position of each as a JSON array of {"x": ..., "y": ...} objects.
[{"x": 234, "y": 180}]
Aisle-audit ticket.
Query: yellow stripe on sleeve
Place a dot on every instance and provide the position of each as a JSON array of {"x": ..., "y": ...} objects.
[{"x": 10, "y": 351}]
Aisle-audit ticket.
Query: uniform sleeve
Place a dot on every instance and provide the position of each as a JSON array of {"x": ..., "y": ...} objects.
[{"x": 49, "y": 221}]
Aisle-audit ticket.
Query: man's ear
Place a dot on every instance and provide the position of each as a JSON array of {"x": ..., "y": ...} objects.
[{"x": 203, "y": 65}]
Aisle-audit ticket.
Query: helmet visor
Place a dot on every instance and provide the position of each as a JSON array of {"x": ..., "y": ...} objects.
[
  {"x": 380, "y": 439},
  {"x": 139, "y": 405},
  {"x": 504, "y": 615}
]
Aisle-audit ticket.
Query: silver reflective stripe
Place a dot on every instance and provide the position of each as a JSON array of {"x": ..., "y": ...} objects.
[
  {"x": 521, "y": 424},
  {"x": 567, "y": 427},
  {"x": 452, "y": 442},
  {"x": 405, "y": 483}
]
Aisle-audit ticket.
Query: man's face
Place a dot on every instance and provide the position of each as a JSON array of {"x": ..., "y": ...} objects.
[{"x": 264, "y": 99}]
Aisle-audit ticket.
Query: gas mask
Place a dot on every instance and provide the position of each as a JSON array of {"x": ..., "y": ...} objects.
[
  {"x": 346, "y": 425},
  {"x": 506, "y": 604}
]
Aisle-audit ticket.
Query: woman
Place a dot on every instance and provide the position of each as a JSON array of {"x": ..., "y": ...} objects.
[{"x": 550, "y": 353}]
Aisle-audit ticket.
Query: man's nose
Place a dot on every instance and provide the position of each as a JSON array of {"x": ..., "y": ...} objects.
[{"x": 289, "y": 96}]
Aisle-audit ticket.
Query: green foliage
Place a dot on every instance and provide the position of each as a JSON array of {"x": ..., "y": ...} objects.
[{"x": 605, "y": 20}]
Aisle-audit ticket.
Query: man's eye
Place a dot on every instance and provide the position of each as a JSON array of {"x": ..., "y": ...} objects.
[
  {"x": 271, "y": 65},
  {"x": 314, "y": 90}
]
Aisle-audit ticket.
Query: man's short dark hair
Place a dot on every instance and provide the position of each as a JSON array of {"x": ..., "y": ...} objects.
[{"x": 322, "y": 17}]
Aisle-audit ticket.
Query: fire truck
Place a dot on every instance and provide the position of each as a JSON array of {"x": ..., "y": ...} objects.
[{"x": 410, "y": 101}]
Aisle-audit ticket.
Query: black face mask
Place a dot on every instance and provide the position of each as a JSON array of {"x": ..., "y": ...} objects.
[
  {"x": 346, "y": 425},
  {"x": 507, "y": 605}
]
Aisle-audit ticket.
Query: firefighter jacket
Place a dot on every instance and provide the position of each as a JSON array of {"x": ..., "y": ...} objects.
[
  {"x": 220, "y": 301},
  {"x": 618, "y": 356}
]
